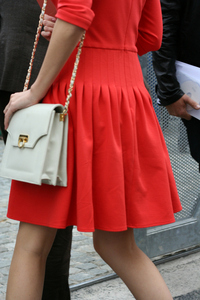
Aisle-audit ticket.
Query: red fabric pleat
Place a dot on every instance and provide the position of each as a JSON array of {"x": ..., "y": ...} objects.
[{"x": 119, "y": 172}]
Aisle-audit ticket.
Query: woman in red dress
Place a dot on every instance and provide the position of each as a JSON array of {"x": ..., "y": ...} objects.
[{"x": 119, "y": 172}]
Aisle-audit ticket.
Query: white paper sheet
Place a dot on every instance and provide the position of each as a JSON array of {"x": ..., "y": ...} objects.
[{"x": 189, "y": 78}]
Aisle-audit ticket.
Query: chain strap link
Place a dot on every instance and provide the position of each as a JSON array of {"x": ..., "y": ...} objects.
[{"x": 73, "y": 77}]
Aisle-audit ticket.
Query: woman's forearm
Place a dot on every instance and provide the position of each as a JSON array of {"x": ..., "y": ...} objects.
[{"x": 64, "y": 39}]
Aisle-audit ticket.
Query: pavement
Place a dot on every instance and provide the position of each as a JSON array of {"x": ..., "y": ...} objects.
[{"x": 182, "y": 275}]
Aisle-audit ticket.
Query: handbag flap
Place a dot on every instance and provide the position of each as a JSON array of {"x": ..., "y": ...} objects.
[{"x": 33, "y": 122}]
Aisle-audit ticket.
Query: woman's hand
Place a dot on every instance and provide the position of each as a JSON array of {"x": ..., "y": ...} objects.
[
  {"x": 48, "y": 24},
  {"x": 19, "y": 101}
]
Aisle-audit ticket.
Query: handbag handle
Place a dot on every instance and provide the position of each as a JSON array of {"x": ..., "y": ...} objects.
[{"x": 73, "y": 77}]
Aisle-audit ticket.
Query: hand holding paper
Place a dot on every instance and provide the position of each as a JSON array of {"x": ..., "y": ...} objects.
[
  {"x": 180, "y": 107},
  {"x": 189, "y": 79}
]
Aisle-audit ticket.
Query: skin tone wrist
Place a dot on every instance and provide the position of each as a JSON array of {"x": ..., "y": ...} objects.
[
  {"x": 56, "y": 56},
  {"x": 64, "y": 39}
]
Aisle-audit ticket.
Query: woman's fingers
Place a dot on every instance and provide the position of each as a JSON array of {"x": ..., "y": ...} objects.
[
  {"x": 49, "y": 18},
  {"x": 46, "y": 35},
  {"x": 8, "y": 114},
  {"x": 9, "y": 110},
  {"x": 48, "y": 24},
  {"x": 18, "y": 101}
]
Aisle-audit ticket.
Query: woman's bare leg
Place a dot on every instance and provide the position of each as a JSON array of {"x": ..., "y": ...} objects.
[
  {"x": 27, "y": 268},
  {"x": 120, "y": 252}
]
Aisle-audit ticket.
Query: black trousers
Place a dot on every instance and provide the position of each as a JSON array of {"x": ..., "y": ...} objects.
[
  {"x": 56, "y": 285},
  {"x": 193, "y": 133}
]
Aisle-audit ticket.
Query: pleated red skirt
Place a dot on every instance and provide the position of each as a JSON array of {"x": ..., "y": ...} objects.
[{"x": 119, "y": 171}]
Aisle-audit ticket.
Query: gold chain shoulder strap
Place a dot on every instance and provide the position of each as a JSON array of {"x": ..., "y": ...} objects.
[
  {"x": 37, "y": 36},
  {"x": 73, "y": 77}
]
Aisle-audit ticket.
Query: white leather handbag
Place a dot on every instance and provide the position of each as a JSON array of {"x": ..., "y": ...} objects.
[{"x": 36, "y": 146}]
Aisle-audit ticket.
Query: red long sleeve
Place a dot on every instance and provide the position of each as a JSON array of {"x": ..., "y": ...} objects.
[{"x": 77, "y": 12}]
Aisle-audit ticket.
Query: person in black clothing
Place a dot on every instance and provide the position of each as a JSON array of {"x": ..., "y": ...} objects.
[
  {"x": 18, "y": 24},
  {"x": 181, "y": 41}
]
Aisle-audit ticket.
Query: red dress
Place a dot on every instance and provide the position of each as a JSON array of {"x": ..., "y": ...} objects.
[{"x": 119, "y": 172}]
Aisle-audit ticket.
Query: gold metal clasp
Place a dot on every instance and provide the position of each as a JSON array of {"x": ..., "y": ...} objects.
[
  {"x": 62, "y": 117},
  {"x": 23, "y": 138}
]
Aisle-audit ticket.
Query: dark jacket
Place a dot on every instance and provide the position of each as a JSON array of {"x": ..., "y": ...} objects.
[
  {"x": 181, "y": 41},
  {"x": 18, "y": 24}
]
